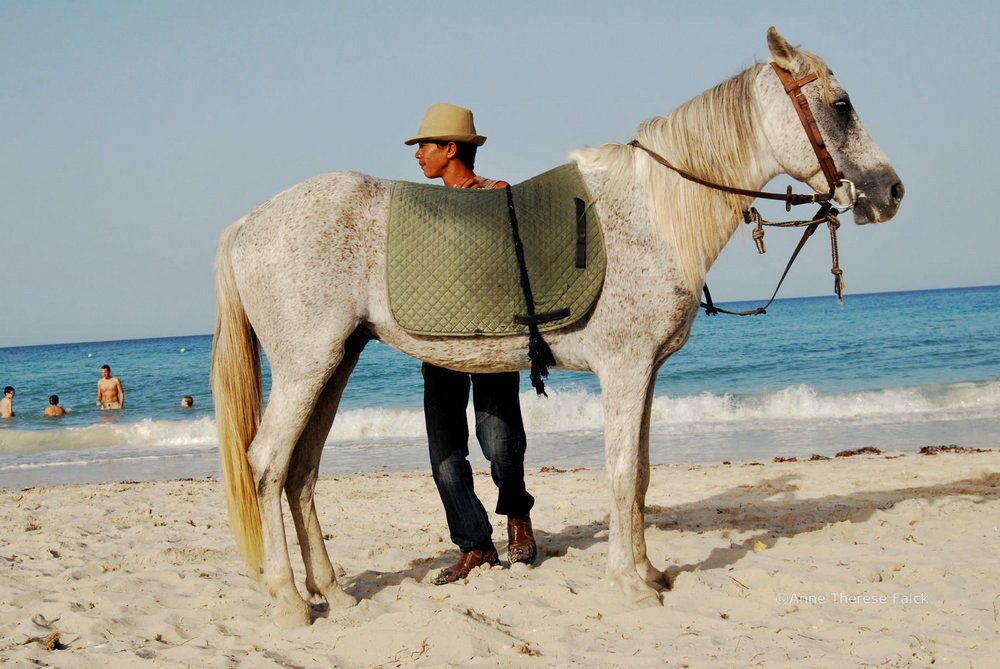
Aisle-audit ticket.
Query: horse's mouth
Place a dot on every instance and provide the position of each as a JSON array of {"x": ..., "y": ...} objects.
[{"x": 866, "y": 211}]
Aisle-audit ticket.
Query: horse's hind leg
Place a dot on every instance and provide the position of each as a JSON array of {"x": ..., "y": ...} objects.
[
  {"x": 288, "y": 411},
  {"x": 301, "y": 484}
]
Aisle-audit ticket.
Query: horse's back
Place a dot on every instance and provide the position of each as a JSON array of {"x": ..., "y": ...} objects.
[
  {"x": 318, "y": 199},
  {"x": 309, "y": 246},
  {"x": 311, "y": 219}
]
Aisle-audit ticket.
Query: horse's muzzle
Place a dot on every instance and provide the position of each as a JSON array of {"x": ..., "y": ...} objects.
[{"x": 877, "y": 204}]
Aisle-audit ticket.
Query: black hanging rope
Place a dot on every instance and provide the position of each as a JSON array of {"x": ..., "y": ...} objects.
[
  {"x": 539, "y": 352},
  {"x": 825, "y": 214}
]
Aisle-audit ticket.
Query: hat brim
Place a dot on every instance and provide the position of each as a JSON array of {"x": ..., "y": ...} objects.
[{"x": 478, "y": 140}]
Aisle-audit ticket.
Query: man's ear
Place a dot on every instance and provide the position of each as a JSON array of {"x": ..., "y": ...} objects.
[{"x": 451, "y": 149}]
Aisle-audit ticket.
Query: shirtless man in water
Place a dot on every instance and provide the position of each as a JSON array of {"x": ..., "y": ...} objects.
[
  {"x": 53, "y": 409},
  {"x": 7, "y": 403},
  {"x": 110, "y": 393}
]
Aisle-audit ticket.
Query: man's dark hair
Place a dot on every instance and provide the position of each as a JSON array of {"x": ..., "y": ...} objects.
[
  {"x": 107, "y": 367},
  {"x": 466, "y": 152},
  {"x": 8, "y": 389},
  {"x": 53, "y": 399}
]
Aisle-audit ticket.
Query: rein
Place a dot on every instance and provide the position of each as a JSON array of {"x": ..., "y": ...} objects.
[
  {"x": 828, "y": 208},
  {"x": 825, "y": 214},
  {"x": 788, "y": 197}
]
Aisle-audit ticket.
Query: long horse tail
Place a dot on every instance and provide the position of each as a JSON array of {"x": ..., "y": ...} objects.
[{"x": 238, "y": 391}]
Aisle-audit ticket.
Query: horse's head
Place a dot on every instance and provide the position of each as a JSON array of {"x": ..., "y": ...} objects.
[{"x": 857, "y": 159}]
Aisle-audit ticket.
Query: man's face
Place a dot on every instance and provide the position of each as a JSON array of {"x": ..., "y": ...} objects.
[
  {"x": 105, "y": 372},
  {"x": 433, "y": 158}
]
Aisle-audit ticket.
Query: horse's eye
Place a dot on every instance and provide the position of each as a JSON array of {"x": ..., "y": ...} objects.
[{"x": 843, "y": 105}]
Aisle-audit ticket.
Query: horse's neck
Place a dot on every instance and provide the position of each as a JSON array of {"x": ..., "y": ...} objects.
[{"x": 714, "y": 136}]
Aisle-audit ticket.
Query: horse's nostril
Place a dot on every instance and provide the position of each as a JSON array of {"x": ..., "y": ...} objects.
[{"x": 897, "y": 191}]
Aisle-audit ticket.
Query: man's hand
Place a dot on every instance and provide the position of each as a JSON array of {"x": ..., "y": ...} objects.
[{"x": 467, "y": 182}]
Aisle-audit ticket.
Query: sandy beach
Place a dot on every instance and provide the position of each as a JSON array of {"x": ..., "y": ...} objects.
[{"x": 884, "y": 560}]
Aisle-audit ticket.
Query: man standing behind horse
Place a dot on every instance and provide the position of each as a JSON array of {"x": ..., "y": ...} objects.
[{"x": 446, "y": 149}]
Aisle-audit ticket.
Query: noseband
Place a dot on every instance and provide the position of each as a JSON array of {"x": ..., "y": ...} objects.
[{"x": 828, "y": 207}]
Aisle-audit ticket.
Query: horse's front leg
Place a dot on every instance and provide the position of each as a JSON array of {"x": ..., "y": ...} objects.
[
  {"x": 301, "y": 484},
  {"x": 626, "y": 390},
  {"x": 643, "y": 566}
]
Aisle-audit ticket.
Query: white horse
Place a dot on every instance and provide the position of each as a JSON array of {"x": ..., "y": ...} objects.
[{"x": 303, "y": 276}]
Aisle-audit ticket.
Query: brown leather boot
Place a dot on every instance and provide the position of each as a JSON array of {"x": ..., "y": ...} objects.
[
  {"x": 468, "y": 562},
  {"x": 520, "y": 541}
]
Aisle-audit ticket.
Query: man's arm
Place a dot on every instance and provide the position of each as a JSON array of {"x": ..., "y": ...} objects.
[
  {"x": 98, "y": 393},
  {"x": 121, "y": 392}
]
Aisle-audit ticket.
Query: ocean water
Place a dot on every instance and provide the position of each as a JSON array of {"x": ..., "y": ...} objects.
[{"x": 893, "y": 370}]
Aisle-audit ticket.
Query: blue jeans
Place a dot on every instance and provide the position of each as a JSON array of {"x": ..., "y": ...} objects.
[{"x": 500, "y": 432}]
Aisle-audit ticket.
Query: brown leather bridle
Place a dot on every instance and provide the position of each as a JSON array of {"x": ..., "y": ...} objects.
[
  {"x": 828, "y": 208},
  {"x": 793, "y": 87}
]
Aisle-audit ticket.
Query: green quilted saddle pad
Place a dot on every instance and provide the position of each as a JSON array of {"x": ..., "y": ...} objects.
[{"x": 451, "y": 268}]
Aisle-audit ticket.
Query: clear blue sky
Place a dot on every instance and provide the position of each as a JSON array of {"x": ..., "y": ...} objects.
[{"x": 134, "y": 132}]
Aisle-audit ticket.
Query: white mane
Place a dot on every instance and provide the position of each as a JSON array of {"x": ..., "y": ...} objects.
[
  {"x": 710, "y": 136},
  {"x": 713, "y": 137}
]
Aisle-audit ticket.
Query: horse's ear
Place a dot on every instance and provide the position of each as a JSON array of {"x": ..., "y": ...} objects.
[{"x": 782, "y": 53}]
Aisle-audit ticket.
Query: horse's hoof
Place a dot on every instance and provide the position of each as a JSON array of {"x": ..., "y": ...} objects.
[
  {"x": 338, "y": 599},
  {"x": 287, "y": 615},
  {"x": 638, "y": 594},
  {"x": 653, "y": 576},
  {"x": 643, "y": 598}
]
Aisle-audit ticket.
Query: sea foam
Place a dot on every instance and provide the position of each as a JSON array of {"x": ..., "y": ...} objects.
[{"x": 574, "y": 410}]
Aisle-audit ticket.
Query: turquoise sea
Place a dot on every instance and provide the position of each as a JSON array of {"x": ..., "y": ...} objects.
[{"x": 893, "y": 370}]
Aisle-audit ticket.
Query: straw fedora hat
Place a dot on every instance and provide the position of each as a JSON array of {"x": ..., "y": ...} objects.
[{"x": 447, "y": 123}]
